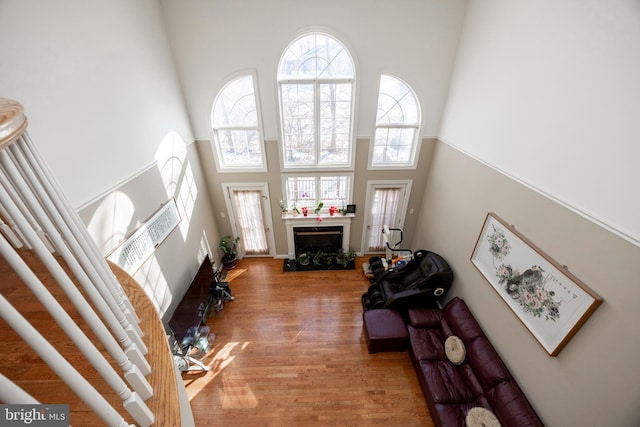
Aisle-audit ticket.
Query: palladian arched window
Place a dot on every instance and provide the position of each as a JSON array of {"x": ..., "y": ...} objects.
[{"x": 316, "y": 80}]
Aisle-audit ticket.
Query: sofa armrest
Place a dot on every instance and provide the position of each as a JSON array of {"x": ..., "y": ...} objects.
[{"x": 426, "y": 318}]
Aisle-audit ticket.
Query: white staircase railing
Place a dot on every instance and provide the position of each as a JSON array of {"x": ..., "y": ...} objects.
[{"x": 35, "y": 215}]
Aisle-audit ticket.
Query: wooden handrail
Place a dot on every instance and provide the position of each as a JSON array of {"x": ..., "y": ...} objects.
[
  {"x": 13, "y": 122},
  {"x": 165, "y": 403}
]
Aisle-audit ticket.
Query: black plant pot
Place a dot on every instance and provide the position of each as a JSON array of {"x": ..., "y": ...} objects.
[{"x": 229, "y": 263}]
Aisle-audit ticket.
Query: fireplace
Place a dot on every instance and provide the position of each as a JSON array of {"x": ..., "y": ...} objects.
[
  {"x": 314, "y": 239},
  {"x": 330, "y": 222}
]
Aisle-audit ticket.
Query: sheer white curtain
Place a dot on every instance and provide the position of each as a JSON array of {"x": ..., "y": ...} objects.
[
  {"x": 383, "y": 211},
  {"x": 248, "y": 206}
]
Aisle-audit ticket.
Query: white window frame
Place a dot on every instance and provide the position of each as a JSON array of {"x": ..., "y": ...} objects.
[
  {"x": 288, "y": 203},
  {"x": 317, "y": 82},
  {"x": 415, "y": 146},
  {"x": 220, "y": 166}
]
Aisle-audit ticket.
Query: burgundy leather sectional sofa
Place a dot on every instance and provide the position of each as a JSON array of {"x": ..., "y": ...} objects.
[{"x": 481, "y": 379}]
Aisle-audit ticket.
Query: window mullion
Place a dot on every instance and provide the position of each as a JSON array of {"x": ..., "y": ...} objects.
[
  {"x": 397, "y": 126},
  {"x": 320, "y": 81},
  {"x": 219, "y": 128},
  {"x": 316, "y": 118}
]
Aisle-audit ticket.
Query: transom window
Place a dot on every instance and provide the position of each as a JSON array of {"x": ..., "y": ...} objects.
[
  {"x": 236, "y": 127},
  {"x": 309, "y": 190},
  {"x": 398, "y": 118},
  {"x": 316, "y": 80}
]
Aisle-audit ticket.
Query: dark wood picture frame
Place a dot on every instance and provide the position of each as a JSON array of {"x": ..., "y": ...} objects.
[{"x": 549, "y": 300}]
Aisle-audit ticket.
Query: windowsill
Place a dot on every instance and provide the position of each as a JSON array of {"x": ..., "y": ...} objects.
[{"x": 323, "y": 215}]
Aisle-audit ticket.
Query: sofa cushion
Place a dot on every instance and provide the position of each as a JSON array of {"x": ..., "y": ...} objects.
[
  {"x": 511, "y": 406},
  {"x": 424, "y": 317},
  {"x": 445, "y": 382},
  {"x": 486, "y": 364},
  {"x": 451, "y": 414},
  {"x": 472, "y": 382},
  {"x": 426, "y": 344},
  {"x": 461, "y": 320},
  {"x": 454, "y": 349}
]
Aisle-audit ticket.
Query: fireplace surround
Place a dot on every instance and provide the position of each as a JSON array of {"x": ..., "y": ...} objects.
[{"x": 328, "y": 222}]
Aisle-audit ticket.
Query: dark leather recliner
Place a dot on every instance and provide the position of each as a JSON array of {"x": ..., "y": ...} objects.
[{"x": 422, "y": 282}]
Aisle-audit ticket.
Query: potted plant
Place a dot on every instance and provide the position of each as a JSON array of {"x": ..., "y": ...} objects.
[
  {"x": 229, "y": 246},
  {"x": 304, "y": 258},
  {"x": 319, "y": 258},
  {"x": 329, "y": 260},
  {"x": 344, "y": 258}
]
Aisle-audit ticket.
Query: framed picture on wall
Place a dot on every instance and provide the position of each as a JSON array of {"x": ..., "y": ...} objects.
[
  {"x": 138, "y": 247},
  {"x": 550, "y": 301}
]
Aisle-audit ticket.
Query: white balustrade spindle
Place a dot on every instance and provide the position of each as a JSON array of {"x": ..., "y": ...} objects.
[{"x": 35, "y": 215}]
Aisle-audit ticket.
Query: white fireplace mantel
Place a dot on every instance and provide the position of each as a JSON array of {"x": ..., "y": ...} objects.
[{"x": 292, "y": 221}]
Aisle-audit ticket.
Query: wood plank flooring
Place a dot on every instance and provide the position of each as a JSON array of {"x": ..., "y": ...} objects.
[{"x": 290, "y": 351}]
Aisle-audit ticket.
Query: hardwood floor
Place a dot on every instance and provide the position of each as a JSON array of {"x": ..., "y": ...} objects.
[{"x": 290, "y": 350}]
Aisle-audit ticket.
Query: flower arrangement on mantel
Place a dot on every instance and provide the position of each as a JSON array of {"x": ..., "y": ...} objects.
[{"x": 332, "y": 210}]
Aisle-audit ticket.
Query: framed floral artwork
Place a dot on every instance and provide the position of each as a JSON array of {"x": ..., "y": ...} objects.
[{"x": 550, "y": 301}]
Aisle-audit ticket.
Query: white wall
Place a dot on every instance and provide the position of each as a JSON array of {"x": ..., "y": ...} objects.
[
  {"x": 98, "y": 85},
  {"x": 548, "y": 92},
  {"x": 105, "y": 107},
  {"x": 414, "y": 40}
]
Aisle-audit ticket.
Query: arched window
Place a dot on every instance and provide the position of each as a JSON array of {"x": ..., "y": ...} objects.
[
  {"x": 398, "y": 117},
  {"x": 236, "y": 126},
  {"x": 316, "y": 88}
]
